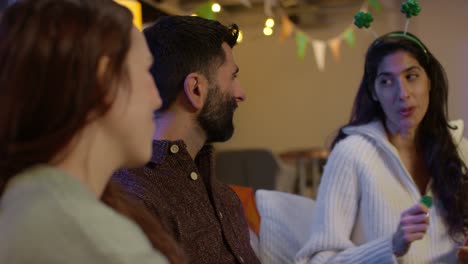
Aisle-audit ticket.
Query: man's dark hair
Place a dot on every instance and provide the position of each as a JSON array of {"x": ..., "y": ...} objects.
[{"x": 184, "y": 44}]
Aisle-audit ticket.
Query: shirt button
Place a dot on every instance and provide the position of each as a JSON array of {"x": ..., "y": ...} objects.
[
  {"x": 174, "y": 149},
  {"x": 241, "y": 260},
  {"x": 194, "y": 176},
  {"x": 220, "y": 215}
]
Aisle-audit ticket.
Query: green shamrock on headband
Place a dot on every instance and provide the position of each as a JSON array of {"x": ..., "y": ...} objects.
[
  {"x": 363, "y": 19},
  {"x": 410, "y": 8}
]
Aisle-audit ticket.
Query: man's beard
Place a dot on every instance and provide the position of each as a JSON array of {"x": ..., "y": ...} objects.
[{"x": 216, "y": 116}]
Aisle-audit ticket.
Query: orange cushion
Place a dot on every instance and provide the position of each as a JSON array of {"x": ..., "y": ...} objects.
[{"x": 247, "y": 197}]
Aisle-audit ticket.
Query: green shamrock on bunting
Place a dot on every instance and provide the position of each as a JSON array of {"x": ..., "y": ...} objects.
[
  {"x": 363, "y": 19},
  {"x": 410, "y": 8}
]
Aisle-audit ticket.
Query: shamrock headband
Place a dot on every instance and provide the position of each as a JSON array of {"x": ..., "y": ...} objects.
[
  {"x": 408, "y": 37},
  {"x": 409, "y": 8},
  {"x": 411, "y": 38}
]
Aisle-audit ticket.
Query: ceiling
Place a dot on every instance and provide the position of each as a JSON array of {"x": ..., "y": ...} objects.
[{"x": 306, "y": 13}]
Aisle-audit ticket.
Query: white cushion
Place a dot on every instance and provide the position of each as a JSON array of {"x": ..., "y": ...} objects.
[
  {"x": 254, "y": 243},
  {"x": 285, "y": 225}
]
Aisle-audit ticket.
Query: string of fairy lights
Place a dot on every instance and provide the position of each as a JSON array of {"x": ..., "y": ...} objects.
[
  {"x": 215, "y": 8},
  {"x": 288, "y": 28},
  {"x": 267, "y": 30}
]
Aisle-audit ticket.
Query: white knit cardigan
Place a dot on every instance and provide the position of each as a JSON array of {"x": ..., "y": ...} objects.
[{"x": 363, "y": 192}]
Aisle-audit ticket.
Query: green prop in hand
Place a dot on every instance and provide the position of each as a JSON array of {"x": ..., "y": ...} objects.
[
  {"x": 363, "y": 19},
  {"x": 410, "y": 8},
  {"x": 426, "y": 200}
]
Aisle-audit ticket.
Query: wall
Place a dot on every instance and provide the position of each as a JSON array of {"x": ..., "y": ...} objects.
[{"x": 291, "y": 105}]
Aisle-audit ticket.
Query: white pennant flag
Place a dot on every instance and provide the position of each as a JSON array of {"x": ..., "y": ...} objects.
[{"x": 320, "y": 48}]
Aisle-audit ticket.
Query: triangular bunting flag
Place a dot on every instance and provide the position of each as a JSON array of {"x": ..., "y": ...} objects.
[
  {"x": 349, "y": 37},
  {"x": 375, "y": 4},
  {"x": 287, "y": 28},
  {"x": 205, "y": 11},
  {"x": 319, "y": 50},
  {"x": 335, "y": 45},
  {"x": 301, "y": 42}
]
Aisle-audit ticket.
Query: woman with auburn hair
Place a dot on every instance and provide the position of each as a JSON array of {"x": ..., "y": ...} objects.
[{"x": 74, "y": 84}]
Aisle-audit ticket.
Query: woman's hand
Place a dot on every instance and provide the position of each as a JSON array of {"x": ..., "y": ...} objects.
[{"x": 413, "y": 226}]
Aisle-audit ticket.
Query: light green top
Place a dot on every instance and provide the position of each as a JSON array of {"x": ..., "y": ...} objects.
[{"x": 47, "y": 216}]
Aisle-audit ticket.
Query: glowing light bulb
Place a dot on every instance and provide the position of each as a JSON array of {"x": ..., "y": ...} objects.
[
  {"x": 270, "y": 22},
  {"x": 216, "y": 8},
  {"x": 268, "y": 31},
  {"x": 240, "y": 37}
]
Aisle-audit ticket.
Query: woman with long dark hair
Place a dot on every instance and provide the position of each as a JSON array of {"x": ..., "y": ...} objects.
[
  {"x": 74, "y": 85},
  {"x": 397, "y": 147}
]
